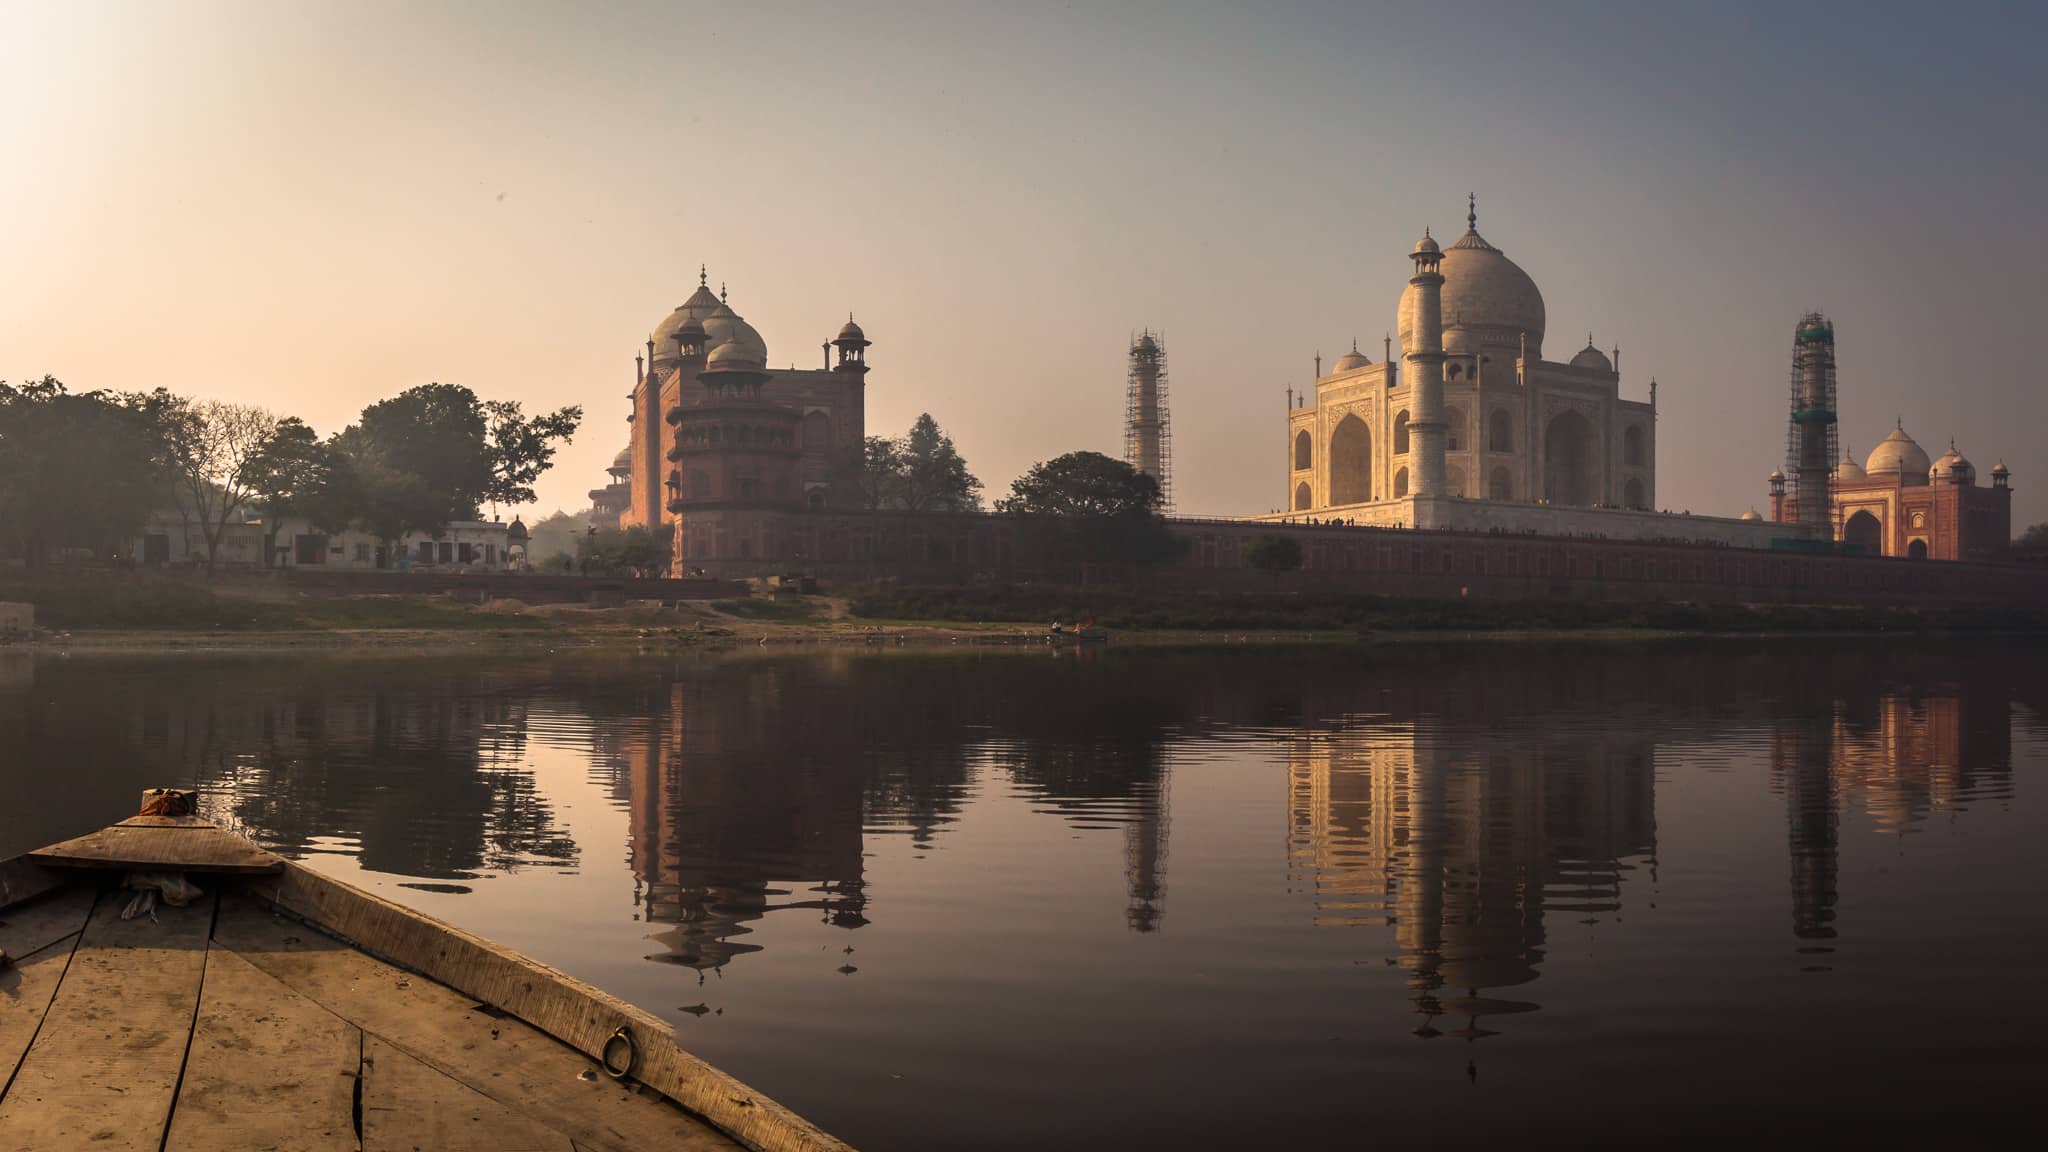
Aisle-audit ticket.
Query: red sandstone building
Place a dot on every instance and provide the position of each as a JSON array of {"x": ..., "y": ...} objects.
[
  {"x": 724, "y": 449},
  {"x": 1898, "y": 503}
]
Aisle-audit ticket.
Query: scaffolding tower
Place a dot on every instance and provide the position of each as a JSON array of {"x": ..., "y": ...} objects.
[
  {"x": 1810, "y": 437},
  {"x": 1148, "y": 429}
]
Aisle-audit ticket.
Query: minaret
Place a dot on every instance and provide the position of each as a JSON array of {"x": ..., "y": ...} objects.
[
  {"x": 1426, "y": 365},
  {"x": 1810, "y": 441},
  {"x": 1148, "y": 424}
]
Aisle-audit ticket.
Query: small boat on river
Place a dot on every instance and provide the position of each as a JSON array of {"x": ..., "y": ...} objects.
[
  {"x": 1082, "y": 634},
  {"x": 166, "y": 984}
]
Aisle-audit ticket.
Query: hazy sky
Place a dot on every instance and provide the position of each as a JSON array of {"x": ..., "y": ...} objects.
[{"x": 314, "y": 206}]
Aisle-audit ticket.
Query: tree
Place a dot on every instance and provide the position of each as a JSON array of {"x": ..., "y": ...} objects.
[
  {"x": 920, "y": 471},
  {"x": 521, "y": 448},
  {"x": 1272, "y": 552},
  {"x": 214, "y": 451},
  {"x": 293, "y": 475},
  {"x": 1084, "y": 485},
  {"x": 634, "y": 551},
  {"x": 933, "y": 476},
  {"x": 1102, "y": 506},
  {"x": 425, "y": 452},
  {"x": 2034, "y": 537},
  {"x": 880, "y": 467},
  {"x": 78, "y": 471}
]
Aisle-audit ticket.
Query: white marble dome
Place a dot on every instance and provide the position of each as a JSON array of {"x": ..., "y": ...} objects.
[
  {"x": 1849, "y": 469},
  {"x": 1899, "y": 454},
  {"x": 1351, "y": 361},
  {"x": 1488, "y": 301},
  {"x": 1592, "y": 358}
]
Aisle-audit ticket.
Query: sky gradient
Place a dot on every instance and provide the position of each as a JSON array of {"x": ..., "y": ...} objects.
[{"x": 313, "y": 206}]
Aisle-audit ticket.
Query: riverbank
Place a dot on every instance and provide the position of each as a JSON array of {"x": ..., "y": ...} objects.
[{"x": 115, "y": 616}]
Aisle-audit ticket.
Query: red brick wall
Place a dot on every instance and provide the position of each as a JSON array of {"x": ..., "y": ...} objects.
[{"x": 944, "y": 549}]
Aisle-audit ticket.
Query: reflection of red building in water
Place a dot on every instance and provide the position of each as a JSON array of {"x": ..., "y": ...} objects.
[
  {"x": 725, "y": 830},
  {"x": 1902, "y": 759}
]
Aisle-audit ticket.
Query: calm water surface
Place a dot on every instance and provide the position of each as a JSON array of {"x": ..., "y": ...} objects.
[{"x": 1145, "y": 898}]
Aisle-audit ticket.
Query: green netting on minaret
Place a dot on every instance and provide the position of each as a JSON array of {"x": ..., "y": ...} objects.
[{"x": 1811, "y": 445}]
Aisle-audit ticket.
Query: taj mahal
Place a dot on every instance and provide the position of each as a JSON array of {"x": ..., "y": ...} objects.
[{"x": 1479, "y": 410}]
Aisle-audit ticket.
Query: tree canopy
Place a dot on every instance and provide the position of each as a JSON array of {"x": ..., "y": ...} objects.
[
  {"x": 215, "y": 449},
  {"x": 436, "y": 453},
  {"x": 919, "y": 471},
  {"x": 79, "y": 472},
  {"x": 293, "y": 475},
  {"x": 1273, "y": 552},
  {"x": 1082, "y": 484},
  {"x": 2036, "y": 536},
  {"x": 1106, "y": 509}
]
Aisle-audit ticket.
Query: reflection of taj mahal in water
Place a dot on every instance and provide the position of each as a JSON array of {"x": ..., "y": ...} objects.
[{"x": 1464, "y": 851}]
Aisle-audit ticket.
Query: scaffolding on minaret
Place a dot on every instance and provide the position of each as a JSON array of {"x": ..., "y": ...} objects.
[
  {"x": 1811, "y": 446},
  {"x": 1148, "y": 427}
]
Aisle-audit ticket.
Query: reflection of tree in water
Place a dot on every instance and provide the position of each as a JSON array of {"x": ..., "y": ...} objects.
[
  {"x": 756, "y": 787},
  {"x": 415, "y": 765}
]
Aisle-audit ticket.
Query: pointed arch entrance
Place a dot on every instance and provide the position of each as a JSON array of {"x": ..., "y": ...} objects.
[
  {"x": 1571, "y": 470},
  {"x": 1351, "y": 462},
  {"x": 1865, "y": 531}
]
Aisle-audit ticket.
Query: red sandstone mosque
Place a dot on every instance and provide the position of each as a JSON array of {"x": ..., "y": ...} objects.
[
  {"x": 1898, "y": 503},
  {"x": 723, "y": 447}
]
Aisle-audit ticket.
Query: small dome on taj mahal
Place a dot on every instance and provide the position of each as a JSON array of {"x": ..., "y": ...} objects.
[
  {"x": 1849, "y": 469},
  {"x": 1592, "y": 358},
  {"x": 1352, "y": 360},
  {"x": 1751, "y": 515}
]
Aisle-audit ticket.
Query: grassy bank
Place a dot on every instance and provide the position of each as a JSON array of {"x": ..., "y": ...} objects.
[
  {"x": 101, "y": 603},
  {"x": 1282, "y": 612}
]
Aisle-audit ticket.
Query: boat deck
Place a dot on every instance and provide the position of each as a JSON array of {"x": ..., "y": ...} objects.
[
  {"x": 284, "y": 1010},
  {"x": 225, "y": 1025}
]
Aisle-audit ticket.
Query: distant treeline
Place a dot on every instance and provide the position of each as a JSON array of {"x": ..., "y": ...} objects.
[{"x": 81, "y": 473}]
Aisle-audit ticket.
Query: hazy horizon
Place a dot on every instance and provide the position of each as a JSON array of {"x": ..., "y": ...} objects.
[{"x": 315, "y": 206}]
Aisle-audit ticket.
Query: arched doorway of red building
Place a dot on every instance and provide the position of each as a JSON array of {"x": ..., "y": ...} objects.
[{"x": 1864, "y": 532}]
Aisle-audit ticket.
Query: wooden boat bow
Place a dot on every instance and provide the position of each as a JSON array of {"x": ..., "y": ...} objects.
[{"x": 452, "y": 1034}]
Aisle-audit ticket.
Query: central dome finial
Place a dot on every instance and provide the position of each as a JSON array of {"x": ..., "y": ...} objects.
[
  {"x": 1471, "y": 212},
  {"x": 703, "y": 276}
]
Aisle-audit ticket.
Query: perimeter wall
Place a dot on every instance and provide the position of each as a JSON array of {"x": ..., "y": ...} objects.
[{"x": 842, "y": 549}]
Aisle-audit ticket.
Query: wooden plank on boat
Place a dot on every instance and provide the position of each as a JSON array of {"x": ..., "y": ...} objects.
[
  {"x": 180, "y": 848},
  {"x": 30, "y": 928},
  {"x": 21, "y": 880},
  {"x": 38, "y": 940},
  {"x": 104, "y": 1067},
  {"x": 505, "y": 1059},
  {"x": 268, "y": 1068},
  {"x": 569, "y": 1010},
  {"x": 410, "y": 1107}
]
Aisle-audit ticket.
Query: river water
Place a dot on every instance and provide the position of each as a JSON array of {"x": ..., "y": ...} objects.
[{"x": 1131, "y": 897}]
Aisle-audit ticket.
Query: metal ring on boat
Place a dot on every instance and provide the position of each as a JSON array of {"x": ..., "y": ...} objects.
[{"x": 622, "y": 1036}]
